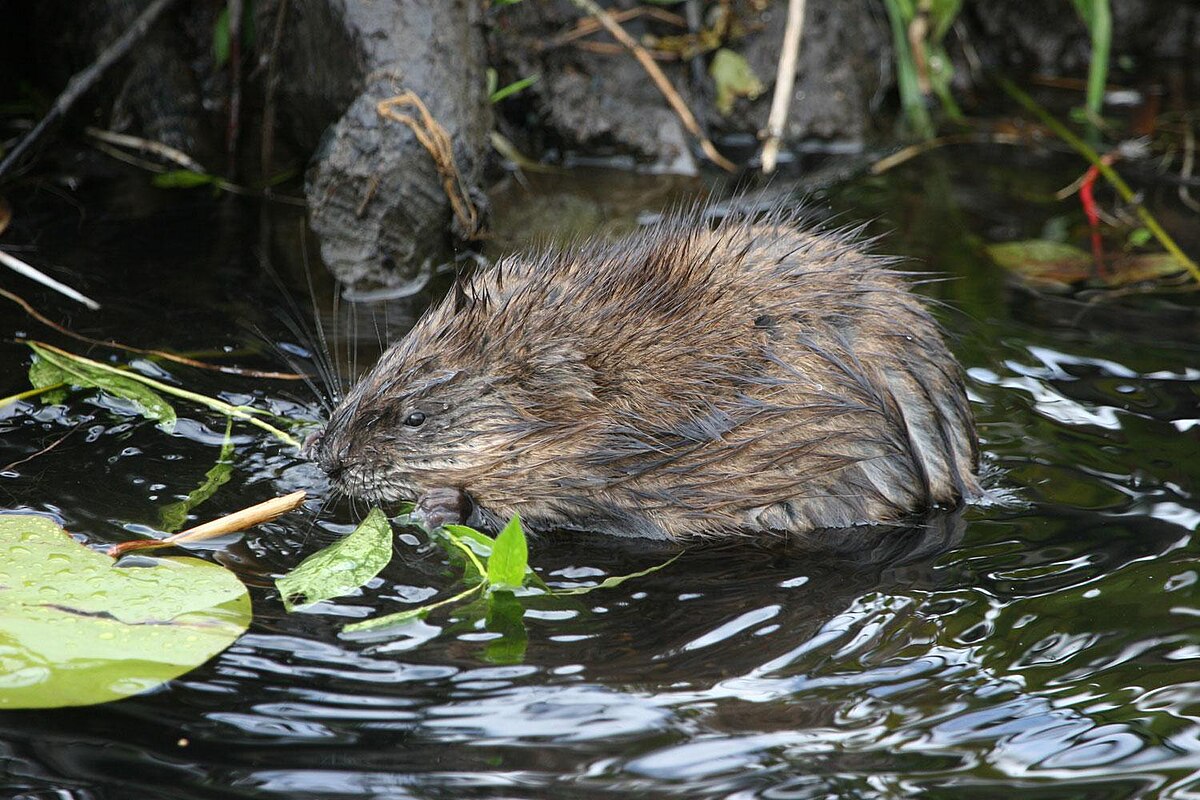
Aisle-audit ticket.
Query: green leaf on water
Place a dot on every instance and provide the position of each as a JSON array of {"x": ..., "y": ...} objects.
[
  {"x": 174, "y": 516},
  {"x": 81, "y": 374},
  {"x": 510, "y": 557},
  {"x": 616, "y": 580},
  {"x": 1055, "y": 265},
  {"x": 734, "y": 78},
  {"x": 505, "y": 616},
  {"x": 77, "y": 630},
  {"x": 409, "y": 614},
  {"x": 341, "y": 567},
  {"x": 42, "y": 373}
]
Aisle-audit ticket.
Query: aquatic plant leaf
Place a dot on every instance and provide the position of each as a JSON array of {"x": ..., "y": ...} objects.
[
  {"x": 1043, "y": 261},
  {"x": 43, "y": 374},
  {"x": 1048, "y": 264},
  {"x": 481, "y": 543},
  {"x": 510, "y": 557},
  {"x": 409, "y": 614},
  {"x": 341, "y": 567},
  {"x": 505, "y": 616},
  {"x": 734, "y": 78},
  {"x": 174, "y": 516},
  {"x": 616, "y": 580},
  {"x": 82, "y": 374},
  {"x": 76, "y": 629}
]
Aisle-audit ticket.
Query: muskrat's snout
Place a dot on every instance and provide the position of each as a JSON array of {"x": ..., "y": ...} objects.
[{"x": 319, "y": 449}]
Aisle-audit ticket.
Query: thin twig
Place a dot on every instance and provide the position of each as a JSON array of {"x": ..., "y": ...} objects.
[
  {"x": 82, "y": 81},
  {"x": 178, "y": 359},
  {"x": 614, "y": 49},
  {"x": 19, "y": 266},
  {"x": 41, "y": 452},
  {"x": 230, "y": 523},
  {"x": 905, "y": 154},
  {"x": 146, "y": 146},
  {"x": 586, "y": 27},
  {"x": 785, "y": 79},
  {"x": 1116, "y": 181},
  {"x": 660, "y": 80}
]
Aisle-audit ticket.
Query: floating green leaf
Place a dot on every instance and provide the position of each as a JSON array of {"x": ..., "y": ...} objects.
[
  {"x": 43, "y": 374},
  {"x": 174, "y": 516},
  {"x": 614, "y": 581},
  {"x": 79, "y": 368},
  {"x": 505, "y": 616},
  {"x": 510, "y": 557},
  {"x": 410, "y": 614},
  {"x": 734, "y": 78},
  {"x": 341, "y": 567},
  {"x": 76, "y": 630},
  {"x": 1056, "y": 265},
  {"x": 83, "y": 374}
]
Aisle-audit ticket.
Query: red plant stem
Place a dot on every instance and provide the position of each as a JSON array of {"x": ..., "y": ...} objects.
[{"x": 1088, "y": 201}]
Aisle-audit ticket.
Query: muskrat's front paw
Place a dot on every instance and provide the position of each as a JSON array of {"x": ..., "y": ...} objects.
[{"x": 439, "y": 507}]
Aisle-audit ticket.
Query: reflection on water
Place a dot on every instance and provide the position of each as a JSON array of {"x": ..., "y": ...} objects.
[{"x": 1043, "y": 643}]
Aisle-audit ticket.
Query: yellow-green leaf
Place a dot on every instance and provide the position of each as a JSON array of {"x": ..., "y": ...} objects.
[
  {"x": 734, "y": 78},
  {"x": 341, "y": 567}
]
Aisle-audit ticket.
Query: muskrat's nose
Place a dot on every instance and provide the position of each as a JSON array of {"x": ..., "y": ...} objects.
[
  {"x": 311, "y": 443},
  {"x": 331, "y": 457}
]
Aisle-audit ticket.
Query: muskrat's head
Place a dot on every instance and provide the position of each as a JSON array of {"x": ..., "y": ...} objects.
[
  {"x": 458, "y": 399},
  {"x": 413, "y": 423}
]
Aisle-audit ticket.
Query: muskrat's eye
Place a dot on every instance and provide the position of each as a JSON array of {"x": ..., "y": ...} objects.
[{"x": 415, "y": 419}]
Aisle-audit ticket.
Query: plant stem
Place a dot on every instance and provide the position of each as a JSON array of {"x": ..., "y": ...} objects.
[
  {"x": 1087, "y": 151},
  {"x": 209, "y": 402},
  {"x": 1100, "y": 30},
  {"x": 12, "y": 398},
  {"x": 377, "y": 622},
  {"x": 785, "y": 79}
]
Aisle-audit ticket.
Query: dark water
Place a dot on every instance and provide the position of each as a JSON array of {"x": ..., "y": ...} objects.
[{"x": 1046, "y": 644}]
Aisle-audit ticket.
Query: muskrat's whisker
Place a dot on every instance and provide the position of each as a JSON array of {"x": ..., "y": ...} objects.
[{"x": 321, "y": 397}]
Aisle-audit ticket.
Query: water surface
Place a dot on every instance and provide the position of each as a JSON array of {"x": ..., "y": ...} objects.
[{"x": 1046, "y": 643}]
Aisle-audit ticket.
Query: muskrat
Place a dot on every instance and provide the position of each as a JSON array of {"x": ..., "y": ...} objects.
[{"x": 691, "y": 380}]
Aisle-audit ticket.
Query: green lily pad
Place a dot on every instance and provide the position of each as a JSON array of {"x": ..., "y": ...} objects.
[
  {"x": 76, "y": 630},
  {"x": 341, "y": 567}
]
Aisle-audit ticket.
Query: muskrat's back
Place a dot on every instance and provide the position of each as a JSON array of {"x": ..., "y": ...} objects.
[{"x": 687, "y": 381}]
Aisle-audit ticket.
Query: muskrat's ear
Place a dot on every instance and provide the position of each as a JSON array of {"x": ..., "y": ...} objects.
[{"x": 560, "y": 371}]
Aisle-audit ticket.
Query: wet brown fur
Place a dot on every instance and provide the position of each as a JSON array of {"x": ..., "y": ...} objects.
[{"x": 687, "y": 381}]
